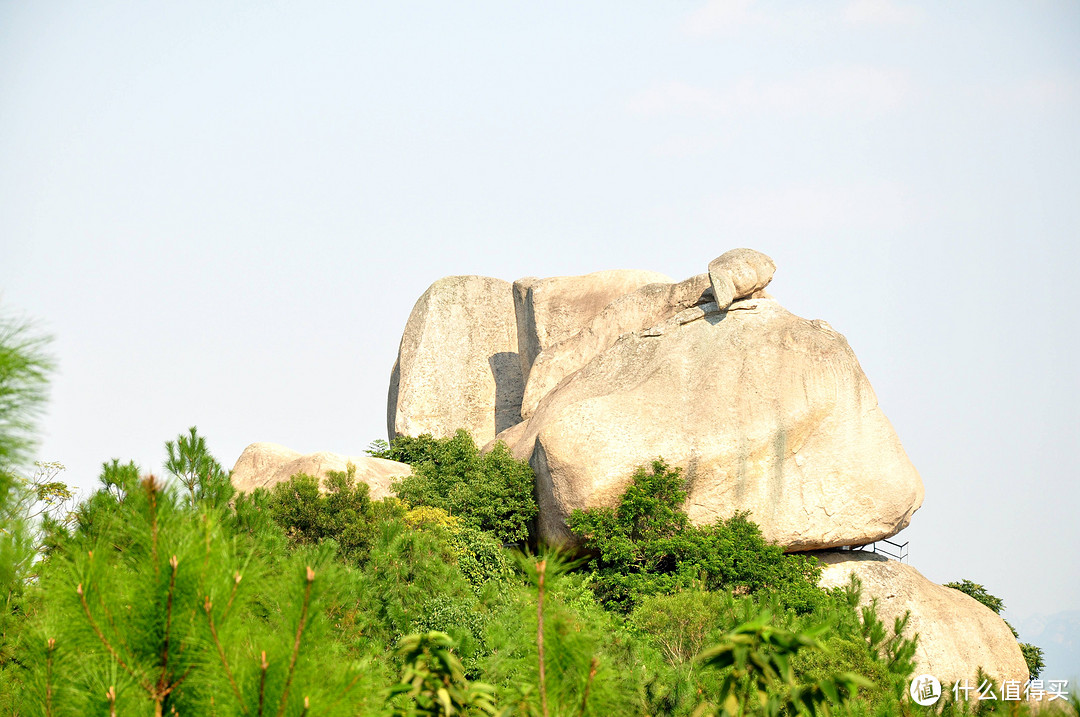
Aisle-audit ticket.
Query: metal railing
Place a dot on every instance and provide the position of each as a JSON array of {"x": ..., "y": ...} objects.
[{"x": 888, "y": 548}]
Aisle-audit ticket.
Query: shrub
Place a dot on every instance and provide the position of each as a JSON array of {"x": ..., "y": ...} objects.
[
  {"x": 340, "y": 511},
  {"x": 492, "y": 491},
  {"x": 682, "y": 624},
  {"x": 646, "y": 546}
]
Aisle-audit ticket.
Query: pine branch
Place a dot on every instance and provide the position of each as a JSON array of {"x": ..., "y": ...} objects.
[
  {"x": 109, "y": 619},
  {"x": 173, "y": 563},
  {"x": 50, "y": 646},
  {"x": 593, "y": 665},
  {"x": 237, "y": 577},
  {"x": 540, "y": 568},
  {"x": 112, "y": 651},
  {"x": 344, "y": 692},
  {"x": 152, "y": 490},
  {"x": 262, "y": 683},
  {"x": 310, "y": 574},
  {"x": 207, "y": 606}
]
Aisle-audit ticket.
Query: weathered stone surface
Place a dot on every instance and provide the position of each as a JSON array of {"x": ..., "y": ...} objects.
[
  {"x": 639, "y": 309},
  {"x": 457, "y": 366},
  {"x": 739, "y": 273},
  {"x": 957, "y": 634},
  {"x": 264, "y": 465},
  {"x": 763, "y": 410},
  {"x": 550, "y": 310},
  {"x": 509, "y": 437}
]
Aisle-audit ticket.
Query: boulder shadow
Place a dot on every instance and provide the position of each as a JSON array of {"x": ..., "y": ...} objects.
[{"x": 509, "y": 389}]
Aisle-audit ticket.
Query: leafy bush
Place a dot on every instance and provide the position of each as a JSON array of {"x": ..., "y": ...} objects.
[
  {"x": 341, "y": 511},
  {"x": 562, "y": 657},
  {"x": 433, "y": 681},
  {"x": 404, "y": 572},
  {"x": 681, "y": 624},
  {"x": 760, "y": 679},
  {"x": 647, "y": 546},
  {"x": 492, "y": 491},
  {"x": 426, "y": 515},
  {"x": 480, "y": 558},
  {"x": 979, "y": 593}
]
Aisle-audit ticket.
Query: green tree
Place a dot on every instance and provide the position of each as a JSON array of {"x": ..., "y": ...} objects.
[
  {"x": 760, "y": 678},
  {"x": 490, "y": 491},
  {"x": 646, "y": 545},
  {"x": 433, "y": 681},
  {"x": 980, "y": 593},
  {"x": 25, "y": 366},
  {"x": 340, "y": 511},
  {"x": 191, "y": 463},
  {"x": 160, "y": 608}
]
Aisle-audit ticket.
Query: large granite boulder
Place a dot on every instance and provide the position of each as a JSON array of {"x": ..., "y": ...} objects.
[
  {"x": 764, "y": 411},
  {"x": 264, "y": 465},
  {"x": 550, "y": 310},
  {"x": 957, "y": 634},
  {"x": 458, "y": 366},
  {"x": 639, "y": 309}
]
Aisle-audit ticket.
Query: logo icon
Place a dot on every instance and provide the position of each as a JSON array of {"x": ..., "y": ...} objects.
[{"x": 925, "y": 690}]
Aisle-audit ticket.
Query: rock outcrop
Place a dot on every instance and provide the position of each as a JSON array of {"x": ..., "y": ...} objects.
[
  {"x": 957, "y": 634},
  {"x": 553, "y": 309},
  {"x": 764, "y": 411},
  {"x": 589, "y": 377},
  {"x": 264, "y": 465},
  {"x": 738, "y": 274},
  {"x": 644, "y": 307},
  {"x": 458, "y": 366}
]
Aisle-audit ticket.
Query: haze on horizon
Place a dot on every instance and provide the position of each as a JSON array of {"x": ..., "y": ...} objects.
[{"x": 224, "y": 213}]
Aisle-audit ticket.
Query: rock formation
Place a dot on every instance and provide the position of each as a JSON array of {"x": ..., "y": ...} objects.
[
  {"x": 763, "y": 411},
  {"x": 739, "y": 273},
  {"x": 643, "y": 307},
  {"x": 590, "y": 377},
  {"x": 264, "y": 465},
  {"x": 550, "y": 310},
  {"x": 458, "y": 364},
  {"x": 957, "y": 634}
]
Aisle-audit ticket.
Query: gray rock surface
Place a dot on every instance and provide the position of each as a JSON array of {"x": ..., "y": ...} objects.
[
  {"x": 550, "y": 310},
  {"x": 764, "y": 411},
  {"x": 738, "y": 273},
  {"x": 957, "y": 634},
  {"x": 639, "y": 309},
  {"x": 264, "y": 465},
  {"x": 457, "y": 365}
]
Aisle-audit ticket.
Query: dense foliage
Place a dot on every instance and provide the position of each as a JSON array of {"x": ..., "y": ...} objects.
[
  {"x": 178, "y": 596},
  {"x": 646, "y": 545},
  {"x": 490, "y": 491},
  {"x": 298, "y": 601},
  {"x": 340, "y": 511}
]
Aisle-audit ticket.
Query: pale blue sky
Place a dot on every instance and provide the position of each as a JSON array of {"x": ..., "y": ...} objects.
[{"x": 224, "y": 212}]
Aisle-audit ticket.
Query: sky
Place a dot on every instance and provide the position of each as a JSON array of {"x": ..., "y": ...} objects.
[{"x": 223, "y": 212}]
